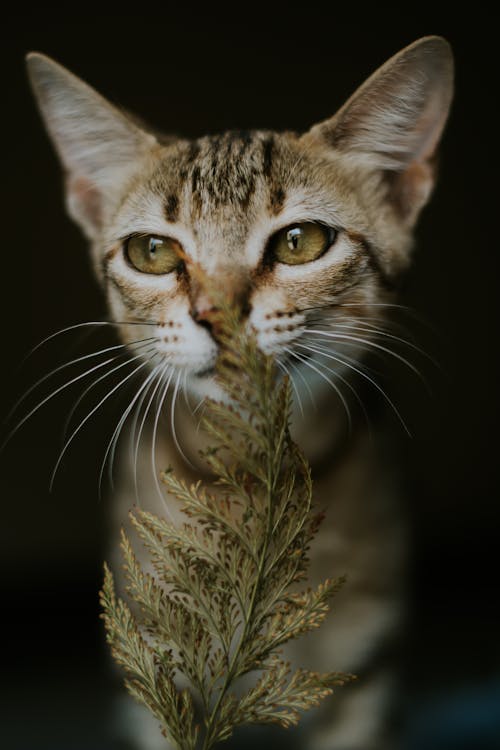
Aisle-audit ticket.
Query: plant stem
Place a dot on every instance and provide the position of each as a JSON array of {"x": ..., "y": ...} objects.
[{"x": 270, "y": 487}]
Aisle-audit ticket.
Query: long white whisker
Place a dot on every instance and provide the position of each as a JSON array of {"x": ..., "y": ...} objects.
[
  {"x": 328, "y": 380},
  {"x": 201, "y": 406},
  {"x": 285, "y": 369},
  {"x": 411, "y": 312},
  {"x": 185, "y": 393},
  {"x": 163, "y": 371},
  {"x": 377, "y": 304},
  {"x": 146, "y": 350},
  {"x": 82, "y": 325},
  {"x": 388, "y": 325},
  {"x": 296, "y": 367},
  {"x": 367, "y": 342},
  {"x": 331, "y": 321},
  {"x": 135, "y": 419},
  {"x": 189, "y": 404},
  {"x": 371, "y": 380},
  {"x": 144, "y": 389},
  {"x": 172, "y": 422},
  {"x": 153, "y": 444},
  {"x": 83, "y": 422},
  {"x": 111, "y": 447},
  {"x": 54, "y": 393},
  {"x": 335, "y": 373},
  {"x": 367, "y": 328},
  {"x": 198, "y": 406},
  {"x": 326, "y": 347},
  {"x": 64, "y": 366}
]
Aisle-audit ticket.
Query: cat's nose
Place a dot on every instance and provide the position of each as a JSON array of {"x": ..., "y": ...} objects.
[
  {"x": 206, "y": 316},
  {"x": 203, "y": 308}
]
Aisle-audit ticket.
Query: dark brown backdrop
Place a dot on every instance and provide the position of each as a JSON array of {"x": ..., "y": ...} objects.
[{"x": 195, "y": 74}]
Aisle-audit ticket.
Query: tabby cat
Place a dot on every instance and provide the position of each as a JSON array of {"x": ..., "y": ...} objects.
[{"x": 309, "y": 232}]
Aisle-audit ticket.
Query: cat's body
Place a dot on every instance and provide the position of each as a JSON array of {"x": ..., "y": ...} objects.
[
  {"x": 308, "y": 233},
  {"x": 364, "y": 536}
]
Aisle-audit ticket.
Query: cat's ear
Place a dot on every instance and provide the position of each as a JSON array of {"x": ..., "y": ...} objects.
[
  {"x": 394, "y": 121},
  {"x": 99, "y": 146}
]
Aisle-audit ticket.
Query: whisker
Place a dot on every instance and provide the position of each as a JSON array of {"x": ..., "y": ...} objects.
[
  {"x": 82, "y": 325},
  {"x": 172, "y": 423},
  {"x": 283, "y": 367},
  {"x": 367, "y": 328},
  {"x": 135, "y": 420},
  {"x": 198, "y": 406},
  {"x": 296, "y": 368},
  {"x": 58, "y": 390},
  {"x": 328, "y": 380},
  {"x": 367, "y": 342},
  {"x": 145, "y": 387},
  {"x": 373, "y": 322},
  {"x": 185, "y": 393},
  {"x": 372, "y": 381},
  {"x": 92, "y": 385},
  {"x": 335, "y": 373},
  {"x": 188, "y": 402},
  {"x": 153, "y": 445},
  {"x": 89, "y": 415},
  {"x": 69, "y": 364},
  {"x": 110, "y": 449},
  {"x": 409, "y": 311},
  {"x": 161, "y": 376},
  {"x": 326, "y": 347},
  {"x": 377, "y": 304}
]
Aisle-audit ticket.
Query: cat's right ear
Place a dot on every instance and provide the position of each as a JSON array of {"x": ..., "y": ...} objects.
[
  {"x": 99, "y": 146},
  {"x": 393, "y": 123}
]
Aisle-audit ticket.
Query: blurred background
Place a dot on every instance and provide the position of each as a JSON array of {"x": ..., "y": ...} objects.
[{"x": 193, "y": 74}]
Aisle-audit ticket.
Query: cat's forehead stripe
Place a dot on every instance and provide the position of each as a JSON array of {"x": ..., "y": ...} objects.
[
  {"x": 267, "y": 154},
  {"x": 227, "y": 169},
  {"x": 172, "y": 208}
]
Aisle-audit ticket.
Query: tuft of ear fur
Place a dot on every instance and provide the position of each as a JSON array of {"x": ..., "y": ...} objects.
[
  {"x": 99, "y": 147},
  {"x": 394, "y": 121}
]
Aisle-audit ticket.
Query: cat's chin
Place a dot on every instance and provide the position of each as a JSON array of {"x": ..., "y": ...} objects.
[{"x": 203, "y": 385}]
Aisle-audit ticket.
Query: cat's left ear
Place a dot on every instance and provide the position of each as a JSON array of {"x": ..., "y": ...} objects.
[
  {"x": 394, "y": 121},
  {"x": 100, "y": 147}
]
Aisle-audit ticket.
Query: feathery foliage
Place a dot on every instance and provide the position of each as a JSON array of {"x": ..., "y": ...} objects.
[{"x": 223, "y": 597}]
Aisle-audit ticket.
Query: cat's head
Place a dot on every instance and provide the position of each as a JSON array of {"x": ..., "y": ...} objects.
[{"x": 307, "y": 231}]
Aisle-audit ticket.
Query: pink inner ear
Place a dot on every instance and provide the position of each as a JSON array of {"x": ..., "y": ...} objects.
[
  {"x": 411, "y": 189},
  {"x": 86, "y": 200}
]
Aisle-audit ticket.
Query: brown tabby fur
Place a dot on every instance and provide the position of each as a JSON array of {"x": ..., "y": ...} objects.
[{"x": 366, "y": 172}]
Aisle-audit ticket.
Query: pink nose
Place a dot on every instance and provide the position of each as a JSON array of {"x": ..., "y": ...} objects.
[{"x": 205, "y": 316}]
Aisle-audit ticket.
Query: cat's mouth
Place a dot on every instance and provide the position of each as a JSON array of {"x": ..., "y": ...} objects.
[
  {"x": 206, "y": 372},
  {"x": 210, "y": 371}
]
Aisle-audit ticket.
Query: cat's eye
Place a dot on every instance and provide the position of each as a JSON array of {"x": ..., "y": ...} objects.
[
  {"x": 302, "y": 243},
  {"x": 151, "y": 254}
]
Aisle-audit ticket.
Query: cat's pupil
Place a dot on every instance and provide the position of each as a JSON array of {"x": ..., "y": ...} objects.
[
  {"x": 293, "y": 237},
  {"x": 153, "y": 245}
]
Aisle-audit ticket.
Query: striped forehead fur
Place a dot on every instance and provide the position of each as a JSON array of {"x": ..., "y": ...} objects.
[{"x": 227, "y": 169}]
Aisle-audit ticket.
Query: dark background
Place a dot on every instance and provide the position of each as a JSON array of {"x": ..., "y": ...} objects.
[{"x": 284, "y": 69}]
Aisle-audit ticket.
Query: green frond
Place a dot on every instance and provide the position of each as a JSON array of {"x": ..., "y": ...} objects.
[
  {"x": 150, "y": 680},
  {"x": 221, "y": 596}
]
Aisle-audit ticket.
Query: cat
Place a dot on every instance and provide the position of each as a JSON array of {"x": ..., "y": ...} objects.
[{"x": 310, "y": 234}]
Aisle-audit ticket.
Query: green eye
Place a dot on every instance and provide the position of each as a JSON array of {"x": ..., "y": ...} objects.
[
  {"x": 150, "y": 254},
  {"x": 301, "y": 243}
]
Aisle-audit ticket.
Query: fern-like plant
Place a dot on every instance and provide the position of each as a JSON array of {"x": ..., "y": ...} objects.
[{"x": 223, "y": 598}]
